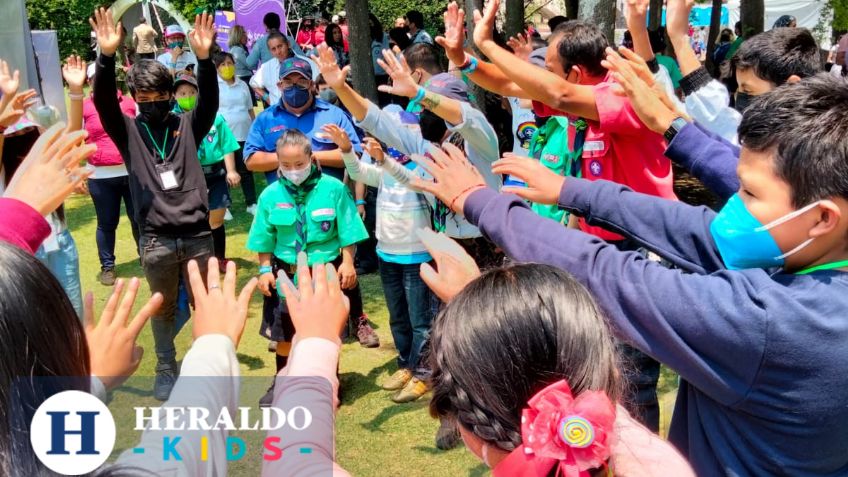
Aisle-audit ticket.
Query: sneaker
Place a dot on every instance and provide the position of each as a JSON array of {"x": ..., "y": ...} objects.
[
  {"x": 166, "y": 377},
  {"x": 228, "y": 216},
  {"x": 251, "y": 209},
  {"x": 413, "y": 390},
  {"x": 272, "y": 346},
  {"x": 365, "y": 334},
  {"x": 268, "y": 398},
  {"x": 398, "y": 380},
  {"x": 447, "y": 437},
  {"x": 108, "y": 276}
]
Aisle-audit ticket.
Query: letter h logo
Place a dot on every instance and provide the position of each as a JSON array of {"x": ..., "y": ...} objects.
[{"x": 58, "y": 432}]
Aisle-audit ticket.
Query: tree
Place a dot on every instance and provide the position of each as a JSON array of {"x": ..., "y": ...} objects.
[
  {"x": 752, "y": 15},
  {"x": 514, "y": 23},
  {"x": 601, "y": 13},
  {"x": 572, "y": 9},
  {"x": 655, "y": 15},
  {"x": 715, "y": 26},
  {"x": 70, "y": 20},
  {"x": 360, "y": 48}
]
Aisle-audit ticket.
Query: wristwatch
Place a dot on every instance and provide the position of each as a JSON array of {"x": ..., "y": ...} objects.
[{"x": 675, "y": 128}]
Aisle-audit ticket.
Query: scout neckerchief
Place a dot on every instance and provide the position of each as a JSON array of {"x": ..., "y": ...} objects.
[
  {"x": 442, "y": 211},
  {"x": 570, "y": 162},
  {"x": 824, "y": 266},
  {"x": 299, "y": 193}
]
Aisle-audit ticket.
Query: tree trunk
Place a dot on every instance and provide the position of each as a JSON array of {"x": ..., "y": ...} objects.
[
  {"x": 715, "y": 26},
  {"x": 752, "y": 15},
  {"x": 514, "y": 23},
  {"x": 572, "y": 8},
  {"x": 473, "y": 89},
  {"x": 655, "y": 15},
  {"x": 601, "y": 13},
  {"x": 360, "y": 49}
]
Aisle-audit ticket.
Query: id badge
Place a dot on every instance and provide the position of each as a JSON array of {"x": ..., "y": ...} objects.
[{"x": 167, "y": 177}]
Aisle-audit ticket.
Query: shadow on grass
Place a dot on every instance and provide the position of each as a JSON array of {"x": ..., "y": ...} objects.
[
  {"x": 479, "y": 471},
  {"x": 389, "y": 412},
  {"x": 356, "y": 386},
  {"x": 252, "y": 362}
]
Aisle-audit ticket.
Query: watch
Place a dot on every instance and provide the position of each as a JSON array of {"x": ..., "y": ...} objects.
[{"x": 674, "y": 128}]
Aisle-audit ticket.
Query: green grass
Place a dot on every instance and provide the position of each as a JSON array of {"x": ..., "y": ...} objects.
[{"x": 374, "y": 436}]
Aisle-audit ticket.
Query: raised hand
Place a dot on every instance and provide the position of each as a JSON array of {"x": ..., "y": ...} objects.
[
  {"x": 454, "y": 178},
  {"x": 112, "y": 342},
  {"x": 338, "y": 136},
  {"x": 318, "y": 310},
  {"x": 51, "y": 170},
  {"x": 9, "y": 82},
  {"x": 636, "y": 13},
  {"x": 543, "y": 185},
  {"x": 484, "y": 24},
  {"x": 677, "y": 18},
  {"x": 454, "y": 267},
  {"x": 13, "y": 107},
  {"x": 326, "y": 61},
  {"x": 521, "y": 46},
  {"x": 107, "y": 32},
  {"x": 374, "y": 149},
  {"x": 74, "y": 72},
  {"x": 454, "y": 37},
  {"x": 203, "y": 35},
  {"x": 217, "y": 309},
  {"x": 402, "y": 82}
]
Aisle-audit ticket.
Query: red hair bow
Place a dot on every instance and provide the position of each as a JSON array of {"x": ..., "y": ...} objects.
[{"x": 558, "y": 430}]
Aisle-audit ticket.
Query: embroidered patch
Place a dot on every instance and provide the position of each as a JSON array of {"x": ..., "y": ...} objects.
[
  {"x": 595, "y": 168},
  {"x": 320, "y": 212},
  {"x": 284, "y": 205},
  {"x": 325, "y": 226},
  {"x": 590, "y": 146},
  {"x": 276, "y": 129}
]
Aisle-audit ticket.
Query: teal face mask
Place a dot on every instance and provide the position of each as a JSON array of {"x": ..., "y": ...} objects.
[
  {"x": 176, "y": 44},
  {"x": 743, "y": 242}
]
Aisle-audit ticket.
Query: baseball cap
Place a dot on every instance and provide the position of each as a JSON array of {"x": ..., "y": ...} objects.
[
  {"x": 537, "y": 56},
  {"x": 449, "y": 86},
  {"x": 295, "y": 65},
  {"x": 172, "y": 30},
  {"x": 185, "y": 79}
]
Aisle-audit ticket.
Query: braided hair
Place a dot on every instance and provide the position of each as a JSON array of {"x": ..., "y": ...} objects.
[{"x": 509, "y": 334}]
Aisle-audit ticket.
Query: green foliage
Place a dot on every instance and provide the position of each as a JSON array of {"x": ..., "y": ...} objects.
[
  {"x": 387, "y": 10},
  {"x": 70, "y": 20},
  {"x": 840, "y": 13}
]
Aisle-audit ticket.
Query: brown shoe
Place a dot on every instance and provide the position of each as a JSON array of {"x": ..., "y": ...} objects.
[
  {"x": 365, "y": 334},
  {"x": 413, "y": 390},
  {"x": 107, "y": 276},
  {"x": 398, "y": 380}
]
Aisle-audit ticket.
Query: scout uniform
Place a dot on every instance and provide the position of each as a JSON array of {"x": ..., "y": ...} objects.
[
  {"x": 318, "y": 217},
  {"x": 550, "y": 146}
]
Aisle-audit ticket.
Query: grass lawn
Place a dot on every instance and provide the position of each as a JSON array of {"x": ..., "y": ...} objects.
[{"x": 374, "y": 436}]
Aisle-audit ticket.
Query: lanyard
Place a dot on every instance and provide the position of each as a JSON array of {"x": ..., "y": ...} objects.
[
  {"x": 824, "y": 266},
  {"x": 161, "y": 150}
]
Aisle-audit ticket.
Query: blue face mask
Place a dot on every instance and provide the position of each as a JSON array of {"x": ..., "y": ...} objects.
[
  {"x": 295, "y": 96},
  {"x": 743, "y": 242}
]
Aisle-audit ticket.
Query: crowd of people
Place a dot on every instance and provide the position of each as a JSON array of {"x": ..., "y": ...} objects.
[{"x": 537, "y": 270}]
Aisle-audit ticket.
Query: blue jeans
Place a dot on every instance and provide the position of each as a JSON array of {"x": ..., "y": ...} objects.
[
  {"x": 107, "y": 195},
  {"x": 411, "y": 310},
  {"x": 64, "y": 264},
  {"x": 164, "y": 259}
]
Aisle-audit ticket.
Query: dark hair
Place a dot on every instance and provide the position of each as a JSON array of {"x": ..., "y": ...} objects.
[
  {"x": 556, "y": 21},
  {"x": 328, "y": 36},
  {"x": 581, "y": 44},
  {"x": 141, "y": 19},
  {"x": 414, "y": 16},
  {"x": 657, "y": 38},
  {"x": 804, "y": 125},
  {"x": 277, "y": 36},
  {"x": 149, "y": 75},
  {"x": 15, "y": 150},
  {"x": 221, "y": 56},
  {"x": 424, "y": 56},
  {"x": 783, "y": 21},
  {"x": 433, "y": 127},
  {"x": 400, "y": 38},
  {"x": 294, "y": 137},
  {"x": 271, "y": 21},
  {"x": 38, "y": 323},
  {"x": 375, "y": 27},
  {"x": 777, "y": 54},
  {"x": 725, "y": 36},
  {"x": 509, "y": 334}
]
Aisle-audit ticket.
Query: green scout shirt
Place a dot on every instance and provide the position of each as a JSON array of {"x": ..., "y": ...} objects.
[
  {"x": 219, "y": 142},
  {"x": 333, "y": 222},
  {"x": 550, "y": 145}
]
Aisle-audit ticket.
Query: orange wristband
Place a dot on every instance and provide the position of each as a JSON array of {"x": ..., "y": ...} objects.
[{"x": 470, "y": 189}]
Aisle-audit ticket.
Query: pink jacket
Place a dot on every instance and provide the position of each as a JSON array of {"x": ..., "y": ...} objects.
[
  {"x": 21, "y": 225},
  {"x": 107, "y": 153}
]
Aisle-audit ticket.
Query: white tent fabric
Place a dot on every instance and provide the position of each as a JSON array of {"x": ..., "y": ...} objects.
[{"x": 806, "y": 12}]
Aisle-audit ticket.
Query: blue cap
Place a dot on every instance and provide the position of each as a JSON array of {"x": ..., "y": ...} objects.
[
  {"x": 295, "y": 65},
  {"x": 449, "y": 86}
]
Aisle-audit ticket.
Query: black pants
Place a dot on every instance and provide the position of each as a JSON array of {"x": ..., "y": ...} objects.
[
  {"x": 246, "y": 79},
  {"x": 107, "y": 195},
  {"x": 248, "y": 185},
  {"x": 366, "y": 251}
]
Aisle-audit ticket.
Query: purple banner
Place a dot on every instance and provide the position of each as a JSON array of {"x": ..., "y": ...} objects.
[
  {"x": 224, "y": 21},
  {"x": 249, "y": 14}
]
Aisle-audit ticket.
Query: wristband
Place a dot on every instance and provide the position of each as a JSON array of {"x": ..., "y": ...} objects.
[
  {"x": 418, "y": 96},
  {"x": 472, "y": 188},
  {"x": 76, "y": 96},
  {"x": 360, "y": 202},
  {"x": 265, "y": 269},
  {"x": 471, "y": 67},
  {"x": 653, "y": 65},
  {"x": 465, "y": 62}
]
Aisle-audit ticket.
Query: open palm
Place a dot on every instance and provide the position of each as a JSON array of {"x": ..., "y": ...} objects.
[
  {"x": 9, "y": 82},
  {"x": 330, "y": 71},
  {"x": 107, "y": 32},
  {"x": 484, "y": 23},
  {"x": 402, "y": 82},
  {"x": 454, "y": 36},
  {"x": 74, "y": 71},
  {"x": 203, "y": 35}
]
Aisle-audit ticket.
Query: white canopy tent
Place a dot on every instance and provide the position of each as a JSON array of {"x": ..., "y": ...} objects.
[{"x": 806, "y": 12}]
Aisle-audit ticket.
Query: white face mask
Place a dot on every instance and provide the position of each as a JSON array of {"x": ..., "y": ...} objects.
[{"x": 297, "y": 176}]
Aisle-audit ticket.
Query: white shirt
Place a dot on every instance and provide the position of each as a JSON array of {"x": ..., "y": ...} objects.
[
  {"x": 268, "y": 76},
  {"x": 185, "y": 59},
  {"x": 523, "y": 127},
  {"x": 234, "y": 103}
]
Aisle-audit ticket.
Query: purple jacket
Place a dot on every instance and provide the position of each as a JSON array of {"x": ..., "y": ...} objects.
[{"x": 708, "y": 157}]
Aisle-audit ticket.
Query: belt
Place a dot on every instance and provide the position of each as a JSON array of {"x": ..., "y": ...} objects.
[{"x": 213, "y": 170}]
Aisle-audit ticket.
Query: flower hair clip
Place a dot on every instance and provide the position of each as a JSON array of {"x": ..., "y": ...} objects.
[{"x": 559, "y": 430}]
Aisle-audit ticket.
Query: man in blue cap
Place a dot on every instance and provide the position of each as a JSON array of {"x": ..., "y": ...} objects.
[{"x": 299, "y": 108}]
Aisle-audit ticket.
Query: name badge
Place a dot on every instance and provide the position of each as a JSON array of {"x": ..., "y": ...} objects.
[
  {"x": 167, "y": 177},
  {"x": 590, "y": 146},
  {"x": 320, "y": 212}
]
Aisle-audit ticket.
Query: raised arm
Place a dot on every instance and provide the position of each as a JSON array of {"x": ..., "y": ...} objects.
[
  {"x": 105, "y": 95},
  {"x": 201, "y": 39},
  {"x": 677, "y": 27},
  {"x": 636, "y": 12},
  {"x": 74, "y": 73},
  {"x": 356, "y": 104}
]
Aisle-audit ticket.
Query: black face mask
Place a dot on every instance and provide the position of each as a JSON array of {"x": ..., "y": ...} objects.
[
  {"x": 433, "y": 128},
  {"x": 743, "y": 100},
  {"x": 154, "y": 112}
]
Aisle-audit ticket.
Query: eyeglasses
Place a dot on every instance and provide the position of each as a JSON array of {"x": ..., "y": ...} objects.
[{"x": 290, "y": 81}]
